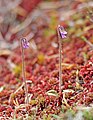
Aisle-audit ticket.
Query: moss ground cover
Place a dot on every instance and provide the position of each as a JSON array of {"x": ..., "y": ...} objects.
[{"x": 39, "y": 27}]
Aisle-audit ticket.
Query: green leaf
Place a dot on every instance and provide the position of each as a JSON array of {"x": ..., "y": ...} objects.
[
  {"x": 49, "y": 32},
  {"x": 17, "y": 70},
  {"x": 88, "y": 115},
  {"x": 55, "y": 116}
]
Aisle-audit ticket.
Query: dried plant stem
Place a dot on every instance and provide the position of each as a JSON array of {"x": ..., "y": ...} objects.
[
  {"x": 23, "y": 76},
  {"x": 60, "y": 62},
  {"x": 88, "y": 42}
]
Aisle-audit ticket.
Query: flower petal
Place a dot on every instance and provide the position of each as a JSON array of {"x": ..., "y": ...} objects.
[
  {"x": 25, "y": 43},
  {"x": 62, "y": 32}
]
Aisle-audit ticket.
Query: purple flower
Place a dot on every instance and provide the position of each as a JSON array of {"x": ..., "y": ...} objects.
[
  {"x": 25, "y": 43},
  {"x": 62, "y": 32}
]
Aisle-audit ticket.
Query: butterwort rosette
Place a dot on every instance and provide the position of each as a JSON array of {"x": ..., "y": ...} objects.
[
  {"x": 62, "y": 32},
  {"x": 25, "y": 43}
]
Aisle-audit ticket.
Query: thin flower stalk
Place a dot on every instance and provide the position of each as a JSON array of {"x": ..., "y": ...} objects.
[
  {"x": 24, "y": 45},
  {"x": 61, "y": 35}
]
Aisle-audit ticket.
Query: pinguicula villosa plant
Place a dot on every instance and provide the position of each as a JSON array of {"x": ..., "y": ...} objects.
[
  {"x": 24, "y": 45},
  {"x": 61, "y": 35}
]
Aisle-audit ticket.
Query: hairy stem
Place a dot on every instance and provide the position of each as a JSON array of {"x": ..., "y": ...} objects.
[
  {"x": 60, "y": 62},
  {"x": 23, "y": 75}
]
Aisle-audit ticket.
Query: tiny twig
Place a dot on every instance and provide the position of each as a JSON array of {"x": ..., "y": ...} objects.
[
  {"x": 31, "y": 17},
  {"x": 88, "y": 42},
  {"x": 8, "y": 5}
]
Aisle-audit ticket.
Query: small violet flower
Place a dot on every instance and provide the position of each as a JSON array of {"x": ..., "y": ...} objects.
[
  {"x": 62, "y": 32},
  {"x": 25, "y": 43}
]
